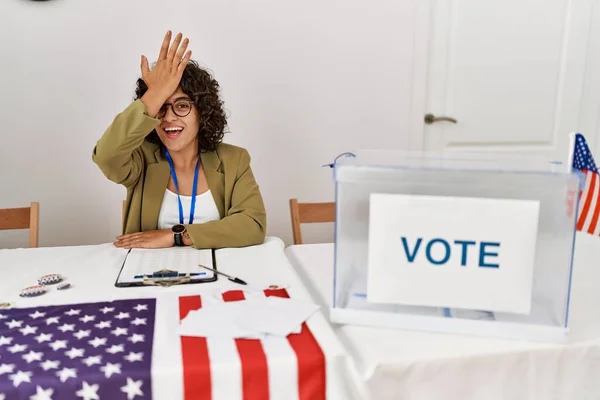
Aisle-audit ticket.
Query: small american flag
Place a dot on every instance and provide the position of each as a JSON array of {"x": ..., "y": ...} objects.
[
  {"x": 81, "y": 351},
  {"x": 589, "y": 201}
]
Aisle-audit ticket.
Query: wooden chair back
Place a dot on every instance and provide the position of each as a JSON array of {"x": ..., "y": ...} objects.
[
  {"x": 309, "y": 213},
  {"x": 23, "y": 218}
]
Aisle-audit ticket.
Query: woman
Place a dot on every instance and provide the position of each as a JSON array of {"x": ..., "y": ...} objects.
[{"x": 184, "y": 187}]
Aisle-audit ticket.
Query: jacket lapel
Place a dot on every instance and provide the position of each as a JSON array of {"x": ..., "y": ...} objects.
[{"x": 215, "y": 178}]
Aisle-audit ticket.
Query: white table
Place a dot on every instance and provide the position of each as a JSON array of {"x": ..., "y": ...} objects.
[
  {"x": 402, "y": 364},
  {"x": 92, "y": 270}
]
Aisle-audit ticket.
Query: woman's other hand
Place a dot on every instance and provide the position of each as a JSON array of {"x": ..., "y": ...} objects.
[
  {"x": 164, "y": 78},
  {"x": 159, "y": 239}
]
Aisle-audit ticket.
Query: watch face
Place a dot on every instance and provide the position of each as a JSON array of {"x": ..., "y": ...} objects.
[{"x": 178, "y": 229}]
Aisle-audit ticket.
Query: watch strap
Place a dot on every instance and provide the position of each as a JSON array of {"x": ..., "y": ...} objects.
[{"x": 178, "y": 239}]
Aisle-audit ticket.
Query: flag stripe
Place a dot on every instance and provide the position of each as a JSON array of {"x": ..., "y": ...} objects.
[
  {"x": 283, "y": 365},
  {"x": 187, "y": 304},
  {"x": 225, "y": 369},
  {"x": 234, "y": 295},
  {"x": 589, "y": 195},
  {"x": 194, "y": 354},
  {"x": 596, "y": 231},
  {"x": 255, "y": 369},
  {"x": 311, "y": 359},
  {"x": 589, "y": 185},
  {"x": 595, "y": 207}
]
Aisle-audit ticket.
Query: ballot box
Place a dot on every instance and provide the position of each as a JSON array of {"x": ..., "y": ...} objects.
[{"x": 468, "y": 243}]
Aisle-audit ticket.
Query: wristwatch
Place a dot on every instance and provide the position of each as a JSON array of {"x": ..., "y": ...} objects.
[{"x": 178, "y": 231}]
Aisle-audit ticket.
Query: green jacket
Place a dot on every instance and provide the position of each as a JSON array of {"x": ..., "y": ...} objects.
[{"x": 125, "y": 157}]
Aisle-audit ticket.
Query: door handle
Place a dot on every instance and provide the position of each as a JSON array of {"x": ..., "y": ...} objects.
[{"x": 430, "y": 119}]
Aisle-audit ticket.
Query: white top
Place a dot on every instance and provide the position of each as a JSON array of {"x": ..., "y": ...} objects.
[{"x": 206, "y": 209}]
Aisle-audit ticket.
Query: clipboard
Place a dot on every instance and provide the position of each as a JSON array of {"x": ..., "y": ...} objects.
[{"x": 166, "y": 267}]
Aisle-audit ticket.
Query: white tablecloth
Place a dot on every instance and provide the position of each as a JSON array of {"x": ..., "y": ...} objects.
[
  {"x": 402, "y": 364},
  {"x": 92, "y": 270}
]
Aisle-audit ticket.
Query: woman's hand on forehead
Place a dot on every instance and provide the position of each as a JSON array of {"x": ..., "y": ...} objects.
[{"x": 163, "y": 79}]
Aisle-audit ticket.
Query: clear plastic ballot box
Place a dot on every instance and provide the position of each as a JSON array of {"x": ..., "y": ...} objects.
[{"x": 470, "y": 243}]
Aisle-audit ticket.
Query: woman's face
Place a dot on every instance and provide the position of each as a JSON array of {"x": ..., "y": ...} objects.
[{"x": 179, "y": 122}]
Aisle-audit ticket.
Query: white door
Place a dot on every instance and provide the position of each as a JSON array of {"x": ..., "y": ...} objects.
[{"x": 509, "y": 72}]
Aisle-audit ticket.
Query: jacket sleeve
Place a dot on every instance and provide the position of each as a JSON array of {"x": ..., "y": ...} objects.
[
  {"x": 118, "y": 153},
  {"x": 246, "y": 221}
]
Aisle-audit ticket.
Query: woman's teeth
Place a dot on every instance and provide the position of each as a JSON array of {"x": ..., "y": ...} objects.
[{"x": 173, "y": 132}]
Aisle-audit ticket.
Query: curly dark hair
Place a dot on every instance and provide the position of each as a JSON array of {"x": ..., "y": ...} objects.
[{"x": 203, "y": 90}]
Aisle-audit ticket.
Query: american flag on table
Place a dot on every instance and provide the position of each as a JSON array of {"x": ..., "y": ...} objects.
[
  {"x": 589, "y": 201},
  {"x": 84, "y": 351},
  {"x": 104, "y": 351},
  {"x": 265, "y": 368}
]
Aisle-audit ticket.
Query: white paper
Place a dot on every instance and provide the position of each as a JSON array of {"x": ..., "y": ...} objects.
[
  {"x": 214, "y": 322},
  {"x": 400, "y": 272},
  {"x": 181, "y": 259},
  {"x": 254, "y": 318},
  {"x": 275, "y": 315}
]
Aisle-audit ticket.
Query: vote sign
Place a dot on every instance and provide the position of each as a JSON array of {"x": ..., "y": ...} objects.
[{"x": 456, "y": 252}]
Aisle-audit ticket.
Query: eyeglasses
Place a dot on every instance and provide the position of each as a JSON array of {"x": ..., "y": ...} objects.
[{"x": 181, "y": 108}]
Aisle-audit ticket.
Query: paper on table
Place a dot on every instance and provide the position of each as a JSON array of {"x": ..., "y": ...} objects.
[
  {"x": 141, "y": 262},
  {"x": 251, "y": 319},
  {"x": 213, "y": 322},
  {"x": 276, "y": 315}
]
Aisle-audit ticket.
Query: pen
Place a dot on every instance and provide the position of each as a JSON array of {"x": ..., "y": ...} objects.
[
  {"x": 178, "y": 275},
  {"x": 231, "y": 278}
]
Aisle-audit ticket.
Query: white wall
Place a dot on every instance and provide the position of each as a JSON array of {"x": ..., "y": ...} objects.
[
  {"x": 589, "y": 117},
  {"x": 303, "y": 82}
]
